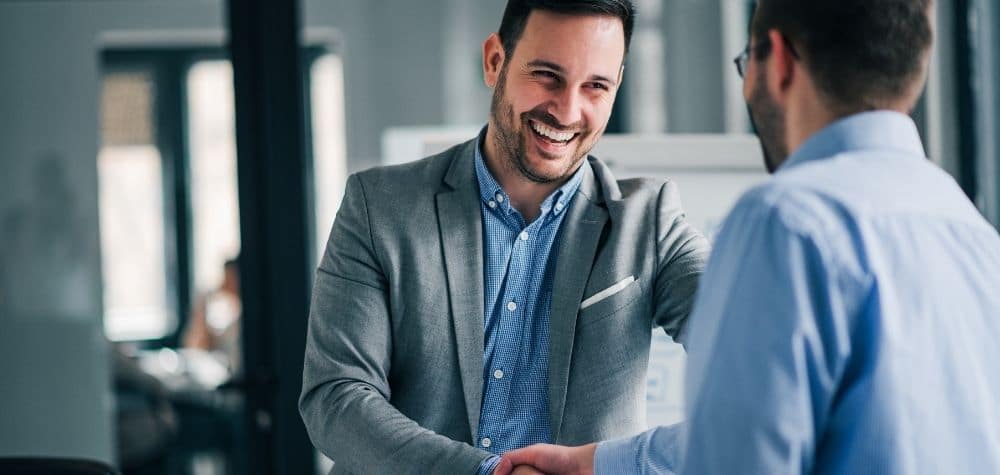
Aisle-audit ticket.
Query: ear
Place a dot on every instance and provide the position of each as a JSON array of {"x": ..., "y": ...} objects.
[
  {"x": 621, "y": 75},
  {"x": 781, "y": 67},
  {"x": 493, "y": 59}
]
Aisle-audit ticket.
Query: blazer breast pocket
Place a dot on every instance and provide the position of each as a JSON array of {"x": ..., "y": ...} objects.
[{"x": 607, "y": 302}]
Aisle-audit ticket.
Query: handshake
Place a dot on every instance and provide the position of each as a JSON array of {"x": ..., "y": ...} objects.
[{"x": 548, "y": 459}]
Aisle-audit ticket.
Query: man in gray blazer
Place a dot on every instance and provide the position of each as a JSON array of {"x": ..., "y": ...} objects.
[{"x": 501, "y": 293}]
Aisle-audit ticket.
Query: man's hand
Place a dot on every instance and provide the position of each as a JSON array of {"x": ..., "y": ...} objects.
[
  {"x": 551, "y": 459},
  {"x": 526, "y": 470}
]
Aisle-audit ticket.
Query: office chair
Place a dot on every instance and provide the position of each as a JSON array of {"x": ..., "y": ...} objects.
[{"x": 53, "y": 466}]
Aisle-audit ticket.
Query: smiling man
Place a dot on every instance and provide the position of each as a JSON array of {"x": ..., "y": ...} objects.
[{"x": 501, "y": 293}]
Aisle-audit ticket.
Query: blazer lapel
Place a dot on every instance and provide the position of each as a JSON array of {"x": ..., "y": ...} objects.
[
  {"x": 460, "y": 226},
  {"x": 581, "y": 232}
]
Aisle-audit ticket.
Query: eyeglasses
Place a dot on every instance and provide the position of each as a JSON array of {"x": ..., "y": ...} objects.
[
  {"x": 743, "y": 58},
  {"x": 761, "y": 47}
]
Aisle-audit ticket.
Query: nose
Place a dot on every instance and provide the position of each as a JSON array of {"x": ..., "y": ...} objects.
[{"x": 567, "y": 107}]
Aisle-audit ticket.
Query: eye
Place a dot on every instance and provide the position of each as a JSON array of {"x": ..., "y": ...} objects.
[
  {"x": 599, "y": 86},
  {"x": 545, "y": 75}
]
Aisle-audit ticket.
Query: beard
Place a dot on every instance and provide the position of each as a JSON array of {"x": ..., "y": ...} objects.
[
  {"x": 768, "y": 122},
  {"x": 512, "y": 143}
]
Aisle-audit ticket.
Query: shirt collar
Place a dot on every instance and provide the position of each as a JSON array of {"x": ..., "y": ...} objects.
[
  {"x": 491, "y": 192},
  {"x": 878, "y": 130}
]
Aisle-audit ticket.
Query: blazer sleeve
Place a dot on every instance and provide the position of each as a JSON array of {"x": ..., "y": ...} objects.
[
  {"x": 682, "y": 253},
  {"x": 345, "y": 401}
]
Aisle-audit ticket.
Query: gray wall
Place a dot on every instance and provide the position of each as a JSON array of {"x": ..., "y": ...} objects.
[
  {"x": 694, "y": 77},
  {"x": 986, "y": 48},
  {"x": 56, "y": 398},
  {"x": 467, "y": 24},
  {"x": 393, "y": 63},
  {"x": 53, "y": 360}
]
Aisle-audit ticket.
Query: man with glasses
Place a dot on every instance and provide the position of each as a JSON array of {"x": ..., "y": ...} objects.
[{"x": 849, "y": 316}]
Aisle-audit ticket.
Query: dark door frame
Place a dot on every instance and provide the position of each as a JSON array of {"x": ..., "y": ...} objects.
[{"x": 276, "y": 223}]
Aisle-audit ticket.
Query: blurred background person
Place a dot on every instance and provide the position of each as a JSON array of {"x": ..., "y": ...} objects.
[{"x": 214, "y": 324}]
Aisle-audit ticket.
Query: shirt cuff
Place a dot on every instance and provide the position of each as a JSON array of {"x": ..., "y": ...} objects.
[
  {"x": 487, "y": 466},
  {"x": 617, "y": 456},
  {"x": 655, "y": 451}
]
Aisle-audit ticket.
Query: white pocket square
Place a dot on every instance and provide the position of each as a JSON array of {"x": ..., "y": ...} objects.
[{"x": 614, "y": 289}]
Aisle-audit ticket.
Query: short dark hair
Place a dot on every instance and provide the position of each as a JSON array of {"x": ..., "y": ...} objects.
[
  {"x": 515, "y": 16},
  {"x": 863, "y": 54}
]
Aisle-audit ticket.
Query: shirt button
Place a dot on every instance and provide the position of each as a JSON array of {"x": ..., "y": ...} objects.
[
  {"x": 559, "y": 206},
  {"x": 486, "y": 442},
  {"x": 498, "y": 374},
  {"x": 524, "y": 235},
  {"x": 499, "y": 197},
  {"x": 492, "y": 204},
  {"x": 511, "y": 306}
]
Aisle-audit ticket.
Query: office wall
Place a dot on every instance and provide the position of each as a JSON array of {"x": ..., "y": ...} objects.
[
  {"x": 393, "y": 65},
  {"x": 986, "y": 51},
  {"x": 56, "y": 398},
  {"x": 467, "y": 25},
  {"x": 694, "y": 67},
  {"x": 938, "y": 111}
]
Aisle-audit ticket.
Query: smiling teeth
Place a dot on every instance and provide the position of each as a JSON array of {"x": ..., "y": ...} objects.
[{"x": 551, "y": 133}]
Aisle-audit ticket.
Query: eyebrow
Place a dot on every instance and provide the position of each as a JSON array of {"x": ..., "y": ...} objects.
[{"x": 559, "y": 69}]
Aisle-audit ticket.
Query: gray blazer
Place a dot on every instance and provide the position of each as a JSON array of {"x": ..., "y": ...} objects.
[{"x": 393, "y": 372}]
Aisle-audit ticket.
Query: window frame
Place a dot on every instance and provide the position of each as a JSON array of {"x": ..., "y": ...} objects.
[{"x": 168, "y": 67}]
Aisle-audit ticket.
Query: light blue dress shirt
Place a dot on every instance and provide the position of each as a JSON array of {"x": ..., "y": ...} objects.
[
  {"x": 848, "y": 322},
  {"x": 520, "y": 260}
]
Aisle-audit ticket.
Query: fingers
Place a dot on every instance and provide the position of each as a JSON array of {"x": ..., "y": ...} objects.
[
  {"x": 526, "y": 470},
  {"x": 530, "y": 455},
  {"x": 504, "y": 467},
  {"x": 552, "y": 459}
]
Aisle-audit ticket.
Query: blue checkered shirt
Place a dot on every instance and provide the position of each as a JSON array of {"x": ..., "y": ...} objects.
[{"x": 520, "y": 260}]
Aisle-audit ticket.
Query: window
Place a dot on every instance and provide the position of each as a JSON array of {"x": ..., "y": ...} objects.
[
  {"x": 131, "y": 210},
  {"x": 211, "y": 130},
  {"x": 168, "y": 179},
  {"x": 326, "y": 79}
]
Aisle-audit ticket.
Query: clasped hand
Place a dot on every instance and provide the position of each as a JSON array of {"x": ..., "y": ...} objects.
[{"x": 548, "y": 459}]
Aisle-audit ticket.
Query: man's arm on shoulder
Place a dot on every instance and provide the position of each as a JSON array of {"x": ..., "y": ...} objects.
[
  {"x": 345, "y": 395},
  {"x": 682, "y": 252}
]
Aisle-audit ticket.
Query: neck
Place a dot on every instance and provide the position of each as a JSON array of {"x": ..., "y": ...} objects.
[
  {"x": 526, "y": 196},
  {"x": 806, "y": 116}
]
